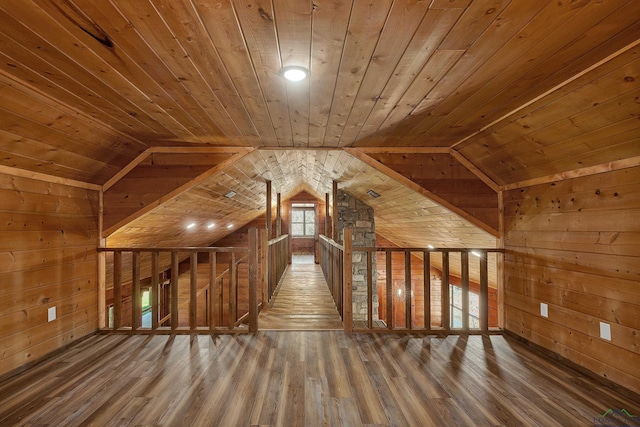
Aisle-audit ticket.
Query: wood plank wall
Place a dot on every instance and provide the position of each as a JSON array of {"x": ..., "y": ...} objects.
[
  {"x": 575, "y": 245},
  {"x": 48, "y": 242},
  {"x": 446, "y": 177},
  {"x": 153, "y": 178}
]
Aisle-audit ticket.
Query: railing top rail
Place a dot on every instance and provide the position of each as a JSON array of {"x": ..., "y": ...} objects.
[
  {"x": 331, "y": 242},
  {"x": 176, "y": 249},
  {"x": 277, "y": 239},
  {"x": 384, "y": 249}
]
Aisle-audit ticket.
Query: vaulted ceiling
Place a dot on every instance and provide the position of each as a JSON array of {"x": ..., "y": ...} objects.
[{"x": 168, "y": 104}]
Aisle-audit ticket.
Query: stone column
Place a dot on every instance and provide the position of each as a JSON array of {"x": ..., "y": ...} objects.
[{"x": 353, "y": 213}]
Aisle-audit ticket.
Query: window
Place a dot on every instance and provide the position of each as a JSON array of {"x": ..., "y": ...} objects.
[
  {"x": 303, "y": 219},
  {"x": 146, "y": 309},
  {"x": 455, "y": 297}
]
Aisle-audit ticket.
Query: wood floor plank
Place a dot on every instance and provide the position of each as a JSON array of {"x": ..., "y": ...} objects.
[
  {"x": 298, "y": 378},
  {"x": 302, "y": 302}
]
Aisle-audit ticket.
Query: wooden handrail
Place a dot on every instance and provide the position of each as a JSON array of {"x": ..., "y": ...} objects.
[
  {"x": 396, "y": 249},
  {"x": 278, "y": 239},
  {"x": 177, "y": 249},
  {"x": 331, "y": 242}
]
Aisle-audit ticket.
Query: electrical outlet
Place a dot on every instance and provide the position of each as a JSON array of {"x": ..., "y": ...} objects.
[
  {"x": 51, "y": 314},
  {"x": 544, "y": 310},
  {"x": 605, "y": 331}
]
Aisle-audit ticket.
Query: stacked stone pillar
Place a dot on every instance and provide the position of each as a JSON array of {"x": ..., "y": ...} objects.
[{"x": 355, "y": 214}]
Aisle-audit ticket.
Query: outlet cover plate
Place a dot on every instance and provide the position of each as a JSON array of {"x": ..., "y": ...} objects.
[
  {"x": 605, "y": 331},
  {"x": 51, "y": 314},
  {"x": 544, "y": 310}
]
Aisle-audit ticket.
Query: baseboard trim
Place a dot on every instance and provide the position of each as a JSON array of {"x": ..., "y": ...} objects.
[
  {"x": 23, "y": 368},
  {"x": 605, "y": 382}
]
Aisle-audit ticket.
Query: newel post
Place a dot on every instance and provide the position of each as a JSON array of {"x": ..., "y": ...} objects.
[
  {"x": 253, "y": 280},
  {"x": 347, "y": 279}
]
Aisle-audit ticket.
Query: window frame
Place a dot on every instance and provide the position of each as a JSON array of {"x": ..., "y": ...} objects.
[
  {"x": 304, "y": 207},
  {"x": 474, "y": 319}
]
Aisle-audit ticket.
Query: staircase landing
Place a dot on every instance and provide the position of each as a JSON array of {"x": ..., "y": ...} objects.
[{"x": 303, "y": 301}]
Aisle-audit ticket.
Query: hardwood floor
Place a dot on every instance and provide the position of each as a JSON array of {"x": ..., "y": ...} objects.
[
  {"x": 303, "y": 301},
  {"x": 303, "y": 378}
]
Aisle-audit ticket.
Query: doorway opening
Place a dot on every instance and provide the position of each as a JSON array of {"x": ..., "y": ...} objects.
[{"x": 304, "y": 233}]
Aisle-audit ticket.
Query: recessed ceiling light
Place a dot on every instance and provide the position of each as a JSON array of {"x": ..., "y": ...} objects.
[
  {"x": 294, "y": 73},
  {"x": 373, "y": 194},
  {"x": 210, "y": 226},
  {"x": 230, "y": 194},
  {"x": 193, "y": 224},
  {"x": 476, "y": 253},
  {"x": 230, "y": 225},
  {"x": 430, "y": 246}
]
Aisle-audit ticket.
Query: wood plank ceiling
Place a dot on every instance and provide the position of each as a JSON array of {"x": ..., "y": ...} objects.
[{"x": 516, "y": 91}]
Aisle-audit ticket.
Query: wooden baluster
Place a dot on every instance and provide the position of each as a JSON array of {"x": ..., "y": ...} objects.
[
  {"x": 369, "y": 290},
  {"x": 389, "y": 288},
  {"x": 265, "y": 268},
  {"x": 174, "y": 289},
  {"x": 446, "y": 318},
  {"x": 221, "y": 301},
  {"x": 426, "y": 266},
  {"x": 136, "y": 300},
  {"x": 103, "y": 319},
  {"x": 253, "y": 279},
  {"x": 334, "y": 218},
  {"x": 155, "y": 288},
  {"x": 272, "y": 270},
  {"x": 484, "y": 292},
  {"x": 347, "y": 281},
  {"x": 340, "y": 278},
  {"x": 193, "y": 291},
  {"x": 117, "y": 289},
  {"x": 336, "y": 273},
  {"x": 327, "y": 215},
  {"x": 407, "y": 290},
  {"x": 268, "y": 211},
  {"x": 233, "y": 287},
  {"x": 212, "y": 290},
  {"x": 464, "y": 257}
]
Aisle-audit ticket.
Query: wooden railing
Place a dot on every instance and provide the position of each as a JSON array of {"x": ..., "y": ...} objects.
[
  {"x": 203, "y": 299},
  {"x": 416, "y": 299},
  {"x": 278, "y": 259},
  {"x": 413, "y": 294},
  {"x": 331, "y": 261}
]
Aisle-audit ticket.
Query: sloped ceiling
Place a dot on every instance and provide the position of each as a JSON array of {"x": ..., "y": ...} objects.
[
  {"x": 398, "y": 208},
  {"x": 517, "y": 91}
]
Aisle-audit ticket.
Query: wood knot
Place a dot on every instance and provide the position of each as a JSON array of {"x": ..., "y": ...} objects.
[{"x": 264, "y": 15}]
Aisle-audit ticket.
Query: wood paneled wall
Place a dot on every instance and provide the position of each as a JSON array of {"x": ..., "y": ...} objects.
[
  {"x": 48, "y": 241},
  {"x": 575, "y": 245},
  {"x": 446, "y": 177}
]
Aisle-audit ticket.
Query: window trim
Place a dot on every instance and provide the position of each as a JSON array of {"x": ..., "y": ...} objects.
[{"x": 304, "y": 207}]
